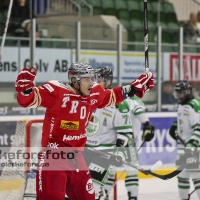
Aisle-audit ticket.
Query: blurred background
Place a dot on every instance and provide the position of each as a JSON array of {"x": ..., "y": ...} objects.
[{"x": 51, "y": 34}]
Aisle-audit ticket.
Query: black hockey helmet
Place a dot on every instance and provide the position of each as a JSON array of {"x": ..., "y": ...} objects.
[
  {"x": 79, "y": 70},
  {"x": 183, "y": 90},
  {"x": 105, "y": 73}
]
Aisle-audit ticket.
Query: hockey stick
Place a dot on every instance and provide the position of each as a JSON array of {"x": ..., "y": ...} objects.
[
  {"x": 184, "y": 144},
  {"x": 146, "y": 51},
  {"x": 144, "y": 171},
  {"x": 6, "y": 27},
  {"x": 125, "y": 169},
  {"x": 141, "y": 146}
]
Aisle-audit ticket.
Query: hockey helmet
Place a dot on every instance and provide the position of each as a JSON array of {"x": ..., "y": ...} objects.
[
  {"x": 183, "y": 89},
  {"x": 80, "y": 70},
  {"x": 105, "y": 73}
]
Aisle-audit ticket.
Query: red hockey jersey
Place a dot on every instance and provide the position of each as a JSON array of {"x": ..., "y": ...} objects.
[{"x": 67, "y": 113}]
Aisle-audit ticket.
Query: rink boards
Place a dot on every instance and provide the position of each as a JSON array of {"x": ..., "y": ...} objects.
[{"x": 162, "y": 147}]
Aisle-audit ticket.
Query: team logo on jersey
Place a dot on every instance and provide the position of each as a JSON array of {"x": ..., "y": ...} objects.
[
  {"x": 69, "y": 125},
  {"x": 93, "y": 126},
  {"x": 73, "y": 137},
  {"x": 93, "y": 101},
  {"x": 89, "y": 186}
]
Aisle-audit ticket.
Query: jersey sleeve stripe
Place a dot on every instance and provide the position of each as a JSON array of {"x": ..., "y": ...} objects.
[
  {"x": 123, "y": 127},
  {"x": 39, "y": 96},
  {"x": 114, "y": 97},
  {"x": 32, "y": 105},
  {"x": 196, "y": 137},
  {"x": 126, "y": 135},
  {"x": 138, "y": 113},
  {"x": 110, "y": 100},
  {"x": 198, "y": 125},
  {"x": 37, "y": 99},
  {"x": 197, "y": 130}
]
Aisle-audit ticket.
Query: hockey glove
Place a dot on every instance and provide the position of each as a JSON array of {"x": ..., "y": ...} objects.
[
  {"x": 148, "y": 132},
  {"x": 139, "y": 86},
  {"x": 25, "y": 79},
  {"x": 144, "y": 83},
  {"x": 116, "y": 160},
  {"x": 173, "y": 130}
]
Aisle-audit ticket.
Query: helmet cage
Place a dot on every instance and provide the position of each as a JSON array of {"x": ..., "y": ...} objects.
[
  {"x": 182, "y": 89},
  {"x": 182, "y": 93}
]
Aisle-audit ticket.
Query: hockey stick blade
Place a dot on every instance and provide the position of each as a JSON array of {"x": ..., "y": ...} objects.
[
  {"x": 144, "y": 171},
  {"x": 156, "y": 166},
  {"x": 170, "y": 175},
  {"x": 163, "y": 177}
]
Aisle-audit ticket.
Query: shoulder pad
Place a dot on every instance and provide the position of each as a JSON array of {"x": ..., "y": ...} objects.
[
  {"x": 61, "y": 85},
  {"x": 123, "y": 107},
  {"x": 195, "y": 104}
]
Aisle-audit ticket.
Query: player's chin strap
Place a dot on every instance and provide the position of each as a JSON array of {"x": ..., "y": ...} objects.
[
  {"x": 144, "y": 171},
  {"x": 79, "y": 90}
]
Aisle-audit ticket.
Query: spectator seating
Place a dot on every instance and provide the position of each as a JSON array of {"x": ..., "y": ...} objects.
[
  {"x": 130, "y": 14},
  {"x": 108, "y": 7},
  {"x": 121, "y": 8},
  {"x": 134, "y": 10},
  {"x": 97, "y": 7}
]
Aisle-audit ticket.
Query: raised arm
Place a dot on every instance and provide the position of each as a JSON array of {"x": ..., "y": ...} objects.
[
  {"x": 31, "y": 96},
  {"x": 138, "y": 87}
]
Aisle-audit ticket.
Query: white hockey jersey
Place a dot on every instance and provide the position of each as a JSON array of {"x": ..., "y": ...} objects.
[
  {"x": 138, "y": 114},
  {"x": 104, "y": 125},
  {"x": 188, "y": 121}
]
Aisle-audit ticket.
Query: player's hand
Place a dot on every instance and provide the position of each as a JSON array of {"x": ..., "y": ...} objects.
[
  {"x": 116, "y": 160},
  {"x": 25, "y": 79},
  {"x": 144, "y": 83},
  {"x": 148, "y": 132},
  {"x": 173, "y": 130}
]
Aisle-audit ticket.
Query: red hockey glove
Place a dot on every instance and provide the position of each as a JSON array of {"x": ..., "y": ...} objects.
[
  {"x": 144, "y": 83},
  {"x": 25, "y": 79}
]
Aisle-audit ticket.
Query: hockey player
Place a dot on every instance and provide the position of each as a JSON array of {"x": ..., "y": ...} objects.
[
  {"x": 138, "y": 117},
  {"x": 187, "y": 127},
  {"x": 109, "y": 128},
  {"x": 68, "y": 109}
]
